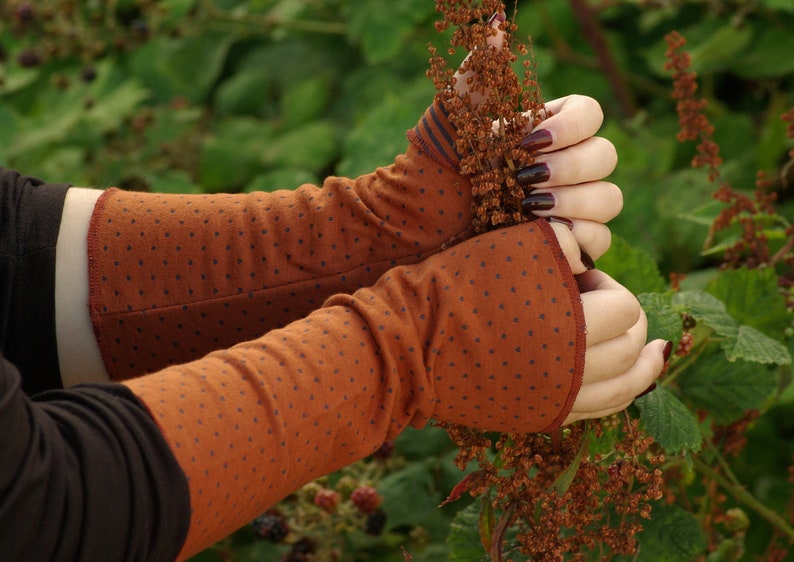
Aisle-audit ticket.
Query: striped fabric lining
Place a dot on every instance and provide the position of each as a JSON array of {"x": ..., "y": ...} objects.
[{"x": 436, "y": 136}]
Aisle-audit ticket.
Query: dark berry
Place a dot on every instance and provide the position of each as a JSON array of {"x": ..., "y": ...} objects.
[
  {"x": 375, "y": 523},
  {"x": 688, "y": 322},
  {"x": 28, "y": 58},
  {"x": 140, "y": 28},
  {"x": 304, "y": 545},
  {"x": 384, "y": 451},
  {"x": 366, "y": 499},
  {"x": 25, "y": 12},
  {"x": 88, "y": 74},
  {"x": 327, "y": 500},
  {"x": 270, "y": 526}
]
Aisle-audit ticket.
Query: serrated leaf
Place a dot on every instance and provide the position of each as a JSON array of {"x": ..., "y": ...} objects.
[
  {"x": 727, "y": 390},
  {"x": 671, "y": 535},
  {"x": 670, "y": 423},
  {"x": 463, "y": 539},
  {"x": 752, "y": 345},
  {"x": 709, "y": 310},
  {"x": 664, "y": 320},
  {"x": 409, "y": 494},
  {"x": 751, "y": 296},
  {"x": 383, "y": 32},
  {"x": 632, "y": 267}
]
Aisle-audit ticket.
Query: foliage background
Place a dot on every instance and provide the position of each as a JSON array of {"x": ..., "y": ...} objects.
[{"x": 231, "y": 95}]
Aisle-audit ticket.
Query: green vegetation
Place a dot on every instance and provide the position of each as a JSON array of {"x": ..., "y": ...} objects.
[{"x": 231, "y": 95}]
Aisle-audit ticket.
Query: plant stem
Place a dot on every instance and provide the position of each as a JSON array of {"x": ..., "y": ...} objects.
[
  {"x": 741, "y": 494},
  {"x": 595, "y": 35}
]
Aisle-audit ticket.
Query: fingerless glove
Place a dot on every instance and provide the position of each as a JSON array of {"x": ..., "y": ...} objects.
[
  {"x": 173, "y": 277},
  {"x": 489, "y": 333}
]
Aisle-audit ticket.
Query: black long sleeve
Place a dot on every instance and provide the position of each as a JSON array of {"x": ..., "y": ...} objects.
[
  {"x": 85, "y": 474},
  {"x": 30, "y": 218}
]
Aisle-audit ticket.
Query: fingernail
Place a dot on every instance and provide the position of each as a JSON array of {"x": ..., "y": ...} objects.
[
  {"x": 667, "y": 350},
  {"x": 647, "y": 390},
  {"x": 537, "y": 140},
  {"x": 536, "y": 173},
  {"x": 586, "y": 260},
  {"x": 538, "y": 202},
  {"x": 498, "y": 16},
  {"x": 561, "y": 220}
]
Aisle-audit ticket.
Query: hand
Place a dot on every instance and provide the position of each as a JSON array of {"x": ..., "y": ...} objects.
[
  {"x": 568, "y": 172},
  {"x": 618, "y": 364}
]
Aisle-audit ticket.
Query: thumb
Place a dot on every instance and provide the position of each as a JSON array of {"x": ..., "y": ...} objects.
[{"x": 495, "y": 41}]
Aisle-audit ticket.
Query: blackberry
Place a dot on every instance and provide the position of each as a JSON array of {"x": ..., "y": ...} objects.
[
  {"x": 28, "y": 58},
  {"x": 270, "y": 526},
  {"x": 327, "y": 500},
  {"x": 366, "y": 499},
  {"x": 375, "y": 523},
  {"x": 304, "y": 545}
]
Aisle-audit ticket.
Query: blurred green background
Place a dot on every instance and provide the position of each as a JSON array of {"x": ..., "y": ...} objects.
[{"x": 229, "y": 95}]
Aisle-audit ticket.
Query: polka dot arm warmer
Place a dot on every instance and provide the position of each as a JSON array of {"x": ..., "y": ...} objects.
[
  {"x": 489, "y": 333},
  {"x": 173, "y": 277}
]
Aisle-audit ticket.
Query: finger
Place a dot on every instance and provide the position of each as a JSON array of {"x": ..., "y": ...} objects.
[
  {"x": 597, "y": 201},
  {"x": 463, "y": 76},
  {"x": 596, "y": 281},
  {"x": 613, "y": 395},
  {"x": 592, "y": 159},
  {"x": 608, "y": 358},
  {"x": 609, "y": 313},
  {"x": 574, "y": 118},
  {"x": 582, "y": 242}
]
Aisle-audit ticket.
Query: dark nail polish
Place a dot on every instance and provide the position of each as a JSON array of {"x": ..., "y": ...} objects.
[
  {"x": 537, "y": 140},
  {"x": 647, "y": 390},
  {"x": 586, "y": 260},
  {"x": 561, "y": 220},
  {"x": 500, "y": 16},
  {"x": 667, "y": 350},
  {"x": 538, "y": 202},
  {"x": 536, "y": 173}
]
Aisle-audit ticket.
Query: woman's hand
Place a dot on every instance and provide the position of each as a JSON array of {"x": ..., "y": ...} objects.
[{"x": 619, "y": 366}]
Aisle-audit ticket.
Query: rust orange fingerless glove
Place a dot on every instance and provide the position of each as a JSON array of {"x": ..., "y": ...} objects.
[
  {"x": 173, "y": 277},
  {"x": 489, "y": 333}
]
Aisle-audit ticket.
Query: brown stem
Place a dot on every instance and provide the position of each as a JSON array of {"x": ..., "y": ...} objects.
[{"x": 595, "y": 36}]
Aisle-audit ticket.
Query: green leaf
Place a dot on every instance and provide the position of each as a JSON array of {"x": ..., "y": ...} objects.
[
  {"x": 305, "y": 101},
  {"x": 409, "y": 495},
  {"x": 464, "y": 536},
  {"x": 186, "y": 67},
  {"x": 752, "y": 345},
  {"x": 633, "y": 267},
  {"x": 738, "y": 341},
  {"x": 671, "y": 535},
  {"x": 728, "y": 389},
  {"x": 311, "y": 147},
  {"x": 769, "y": 56},
  {"x": 231, "y": 157},
  {"x": 670, "y": 423},
  {"x": 751, "y": 296},
  {"x": 718, "y": 51},
  {"x": 281, "y": 178},
  {"x": 382, "y": 31},
  {"x": 664, "y": 320}
]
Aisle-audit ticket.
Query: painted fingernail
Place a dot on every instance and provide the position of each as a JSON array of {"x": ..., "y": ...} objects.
[
  {"x": 587, "y": 260},
  {"x": 536, "y": 173},
  {"x": 561, "y": 220},
  {"x": 537, "y": 140},
  {"x": 647, "y": 390},
  {"x": 667, "y": 350},
  {"x": 538, "y": 202},
  {"x": 498, "y": 16}
]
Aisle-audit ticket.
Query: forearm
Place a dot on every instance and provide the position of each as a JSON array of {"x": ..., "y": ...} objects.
[
  {"x": 452, "y": 338},
  {"x": 174, "y": 277}
]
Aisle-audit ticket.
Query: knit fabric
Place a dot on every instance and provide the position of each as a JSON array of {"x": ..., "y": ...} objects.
[
  {"x": 489, "y": 333},
  {"x": 173, "y": 277}
]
